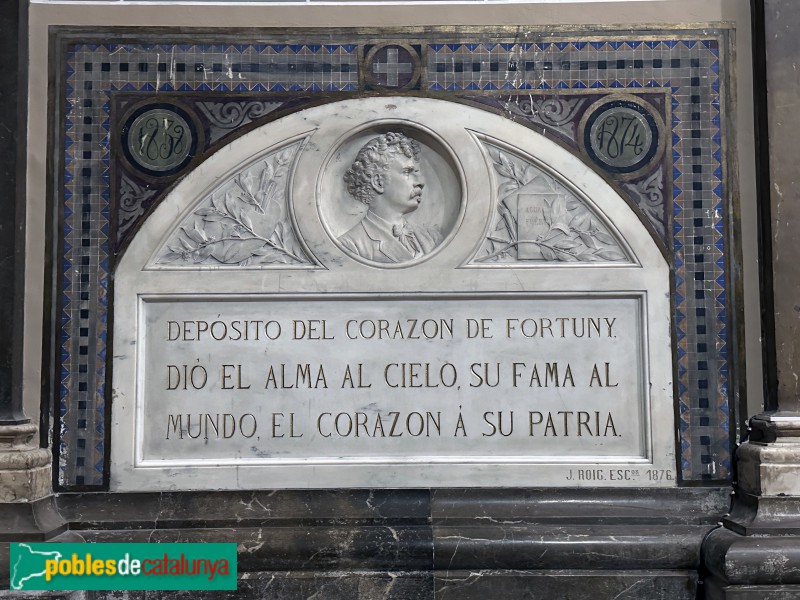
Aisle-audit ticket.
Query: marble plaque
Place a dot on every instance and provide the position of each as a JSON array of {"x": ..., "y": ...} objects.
[
  {"x": 392, "y": 292},
  {"x": 288, "y": 379}
]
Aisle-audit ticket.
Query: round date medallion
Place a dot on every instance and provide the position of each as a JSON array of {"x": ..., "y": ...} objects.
[
  {"x": 622, "y": 136},
  {"x": 159, "y": 140}
]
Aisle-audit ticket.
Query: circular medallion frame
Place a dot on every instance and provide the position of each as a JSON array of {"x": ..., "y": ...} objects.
[
  {"x": 160, "y": 139},
  {"x": 623, "y": 135},
  {"x": 340, "y": 213},
  {"x": 373, "y": 55}
]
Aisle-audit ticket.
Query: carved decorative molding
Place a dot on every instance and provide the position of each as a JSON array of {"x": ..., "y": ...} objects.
[
  {"x": 245, "y": 222},
  {"x": 558, "y": 113},
  {"x": 227, "y": 116},
  {"x": 649, "y": 196},
  {"x": 538, "y": 219},
  {"x": 132, "y": 198}
]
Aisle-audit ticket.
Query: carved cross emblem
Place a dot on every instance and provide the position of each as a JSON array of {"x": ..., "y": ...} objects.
[{"x": 393, "y": 66}]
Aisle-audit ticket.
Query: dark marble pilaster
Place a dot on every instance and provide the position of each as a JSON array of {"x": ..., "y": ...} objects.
[
  {"x": 12, "y": 12},
  {"x": 781, "y": 22},
  {"x": 757, "y": 552},
  {"x": 27, "y": 512}
]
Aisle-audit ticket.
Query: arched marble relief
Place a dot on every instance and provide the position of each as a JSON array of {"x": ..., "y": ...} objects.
[
  {"x": 261, "y": 309},
  {"x": 539, "y": 218},
  {"x": 245, "y": 221}
]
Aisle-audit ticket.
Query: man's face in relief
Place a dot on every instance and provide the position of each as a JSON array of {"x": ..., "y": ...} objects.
[{"x": 402, "y": 185}]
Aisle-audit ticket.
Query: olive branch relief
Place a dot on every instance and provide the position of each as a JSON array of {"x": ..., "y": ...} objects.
[
  {"x": 571, "y": 233},
  {"x": 244, "y": 222}
]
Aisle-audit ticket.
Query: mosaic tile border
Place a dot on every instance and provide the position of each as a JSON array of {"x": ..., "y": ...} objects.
[{"x": 688, "y": 68}]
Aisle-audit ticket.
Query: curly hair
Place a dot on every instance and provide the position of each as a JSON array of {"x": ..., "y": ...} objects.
[{"x": 373, "y": 158}]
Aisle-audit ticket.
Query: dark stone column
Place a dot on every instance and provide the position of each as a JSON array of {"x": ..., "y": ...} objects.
[
  {"x": 27, "y": 510},
  {"x": 757, "y": 551},
  {"x": 11, "y": 218},
  {"x": 782, "y": 19},
  {"x": 24, "y": 467}
]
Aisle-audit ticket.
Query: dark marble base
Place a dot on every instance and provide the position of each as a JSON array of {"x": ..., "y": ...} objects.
[
  {"x": 716, "y": 589},
  {"x": 463, "y": 585},
  {"x": 483, "y": 585},
  {"x": 420, "y": 544},
  {"x": 764, "y": 515},
  {"x": 753, "y": 566},
  {"x": 30, "y": 521},
  {"x": 37, "y": 521},
  {"x": 567, "y": 585}
]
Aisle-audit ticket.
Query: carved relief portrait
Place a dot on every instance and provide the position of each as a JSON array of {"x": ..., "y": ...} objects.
[{"x": 394, "y": 197}]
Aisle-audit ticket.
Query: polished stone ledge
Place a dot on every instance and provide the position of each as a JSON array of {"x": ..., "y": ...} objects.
[
  {"x": 421, "y": 585},
  {"x": 556, "y": 547},
  {"x": 489, "y": 507},
  {"x": 753, "y": 560},
  {"x": 421, "y": 544},
  {"x": 718, "y": 590},
  {"x": 578, "y": 506},
  {"x": 573, "y": 584},
  {"x": 299, "y": 548},
  {"x": 243, "y": 509}
]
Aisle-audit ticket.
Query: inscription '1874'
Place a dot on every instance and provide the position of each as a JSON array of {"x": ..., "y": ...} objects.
[
  {"x": 621, "y": 137},
  {"x": 620, "y": 134}
]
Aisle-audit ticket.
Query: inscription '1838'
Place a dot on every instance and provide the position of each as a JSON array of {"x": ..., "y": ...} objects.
[{"x": 158, "y": 140}]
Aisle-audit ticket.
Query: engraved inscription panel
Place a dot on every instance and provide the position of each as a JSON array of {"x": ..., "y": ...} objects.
[
  {"x": 392, "y": 379},
  {"x": 531, "y": 222}
]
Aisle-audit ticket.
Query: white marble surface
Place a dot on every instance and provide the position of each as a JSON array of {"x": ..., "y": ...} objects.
[{"x": 444, "y": 284}]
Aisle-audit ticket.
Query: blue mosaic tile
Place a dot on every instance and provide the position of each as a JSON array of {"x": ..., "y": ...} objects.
[{"x": 687, "y": 70}]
